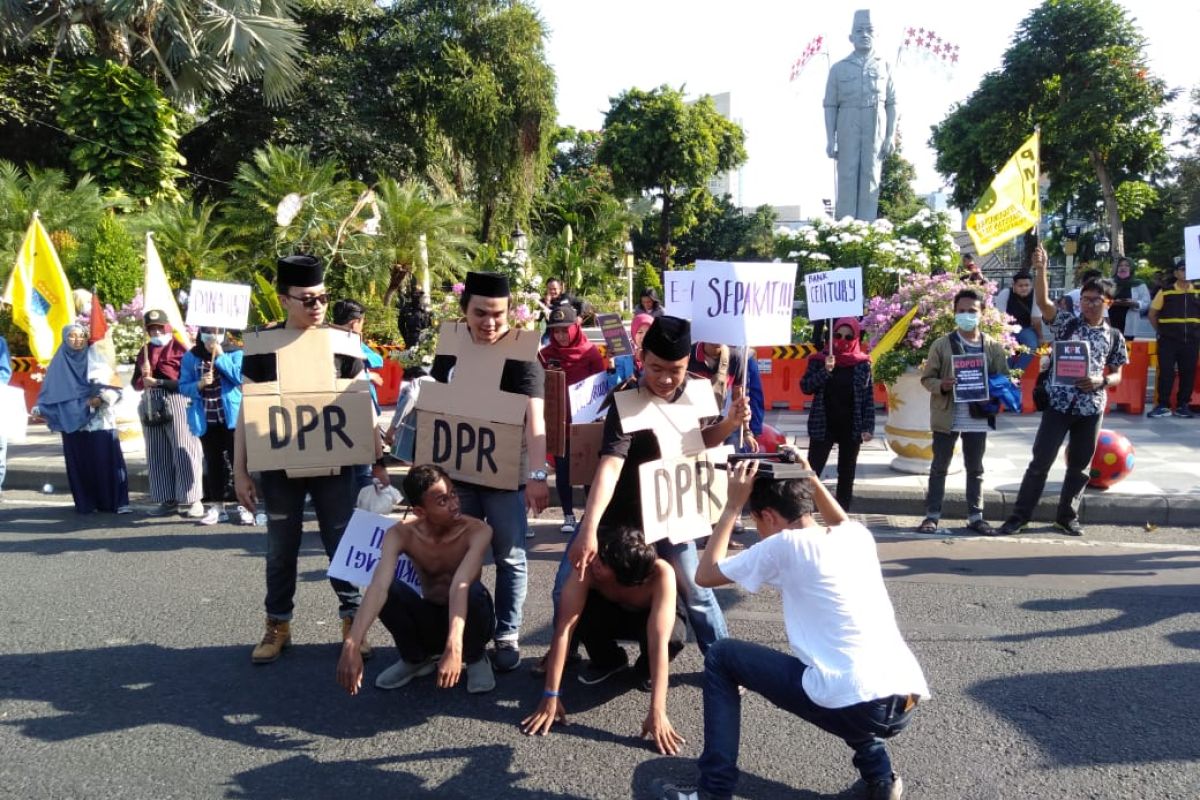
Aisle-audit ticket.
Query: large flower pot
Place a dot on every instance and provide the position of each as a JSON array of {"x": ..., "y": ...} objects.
[{"x": 907, "y": 428}]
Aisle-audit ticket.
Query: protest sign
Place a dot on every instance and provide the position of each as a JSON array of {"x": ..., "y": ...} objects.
[
  {"x": 970, "y": 378},
  {"x": 307, "y": 421},
  {"x": 743, "y": 304},
  {"x": 616, "y": 339},
  {"x": 468, "y": 426},
  {"x": 218, "y": 305},
  {"x": 683, "y": 496},
  {"x": 586, "y": 397},
  {"x": 678, "y": 291},
  {"x": 834, "y": 294},
  {"x": 358, "y": 553},
  {"x": 556, "y": 412},
  {"x": 1070, "y": 362},
  {"x": 1191, "y": 251},
  {"x": 641, "y": 409},
  {"x": 13, "y": 416},
  {"x": 585, "y": 452}
]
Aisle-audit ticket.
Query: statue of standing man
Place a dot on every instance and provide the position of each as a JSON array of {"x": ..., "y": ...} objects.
[{"x": 860, "y": 119}]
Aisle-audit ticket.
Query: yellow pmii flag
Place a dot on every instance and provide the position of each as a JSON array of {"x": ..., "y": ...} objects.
[
  {"x": 1010, "y": 205},
  {"x": 38, "y": 291},
  {"x": 156, "y": 293},
  {"x": 894, "y": 335}
]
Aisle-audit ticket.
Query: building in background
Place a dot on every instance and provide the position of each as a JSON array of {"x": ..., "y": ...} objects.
[{"x": 726, "y": 183}]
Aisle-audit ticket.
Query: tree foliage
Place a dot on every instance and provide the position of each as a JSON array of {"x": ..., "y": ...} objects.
[
  {"x": 656, "y": 142},
  {"x": 1077, "y": 68},
  {"x": 109, "y": 262},
  {"x": 898, "y": 201},
  {"x": 74, "y": 209},
  {"x": 721, "y": 231}
]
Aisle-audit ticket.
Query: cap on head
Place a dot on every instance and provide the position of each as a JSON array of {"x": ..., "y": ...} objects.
[
  {"x": 486, "y": 284},
  {"x": 562, "y": 316},
  {"x": 155, "y": 317},
  {"x": 669, "y": 338},
  {"x": 861, "y": 17},
  {"x": 300, "y": 271}
]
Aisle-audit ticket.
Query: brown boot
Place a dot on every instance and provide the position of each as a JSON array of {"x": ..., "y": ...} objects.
[
  {"x": 364, "y": 647},
  {"x": 277, "y": 636}
]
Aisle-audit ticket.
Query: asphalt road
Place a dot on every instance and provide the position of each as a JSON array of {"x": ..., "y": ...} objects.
[{"x": 1059, "y": 669}]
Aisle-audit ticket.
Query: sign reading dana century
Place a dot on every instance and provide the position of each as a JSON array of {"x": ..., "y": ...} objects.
[
  {"x": 743, "y": 304},
  {"x": 834, "y": 294},
  {"x": 218, "y": 305}
]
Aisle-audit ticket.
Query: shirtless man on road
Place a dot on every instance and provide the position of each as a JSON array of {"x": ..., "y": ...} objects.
[{"x": 452, "y": 619}]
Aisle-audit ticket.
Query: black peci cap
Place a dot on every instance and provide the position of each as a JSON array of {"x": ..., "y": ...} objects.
[
  {"x": 486, "y": 284},
  {"x": 300, "y": 270},
  {"x": 669, "y": 338}
]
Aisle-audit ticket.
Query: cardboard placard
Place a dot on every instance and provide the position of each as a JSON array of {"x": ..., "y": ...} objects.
[
  {"x": 970, "y": 378},
  {"x": 678, "y": 291},
  {"x": 641, "y": 409},
  {"x": 743, "y": 304},
  {"x": 585, "y": 452},
  {"x": 358, "y": 553},
  {"x": 218, "y": 305},
  {"x": 307, "y": 421},
  {"x": 683, "y": 496},
  {"x": 834, "y": 294},
  {"x": 1191, "y": 251},
  {"x": 586, "y": 397},
  {"x": 14, "y": 418},
  {"x": 1071, "y": 359},
  {"x": 468, "y": 426},
  {"x": 612, "y": 327},
  {"x": 555, "y": 412}
]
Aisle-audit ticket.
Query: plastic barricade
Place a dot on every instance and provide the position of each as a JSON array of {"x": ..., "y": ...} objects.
[
  {"x": 27, "y": 375},
  {"x": 780, "y": 369},
  {"x": 1130, "y": 394},
  {"x": 880, "y": 395}
]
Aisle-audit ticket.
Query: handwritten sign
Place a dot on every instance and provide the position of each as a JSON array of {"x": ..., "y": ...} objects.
[
  {"x": 612, "y": 328},
  {"x": 1070, "y": 362},
  {"x": 358, "y": 553},
  {"x": 585, "y": 397},
  {"x": 970, "y": 378},
  {"x": 678, "y": 291},
  {"x": 1191, "y": 251},
  {"x": 218, "y": 305},
  {"x": 13, "y": 415},
  {"x": 743, "y": 304},
  {"x": 682, "y": 497},
  {"x": 834, "y": 294}
]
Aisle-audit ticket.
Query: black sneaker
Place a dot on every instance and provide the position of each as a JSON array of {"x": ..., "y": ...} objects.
[
  {"x": 1159, "y": 412},
  {"x": 886, "y": 789},
  {"x": 1070, "y": 527},
  {"x": 663, "y": 789},
  {"x": 506, "y": 656},
  {"x": 1011, "y": 525},
  {"x": 595, "y": 673},
  {"x": 1185, "y": 413}
]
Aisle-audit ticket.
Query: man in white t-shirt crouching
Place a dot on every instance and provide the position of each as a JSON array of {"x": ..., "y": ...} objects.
[{"x": 849, "y": 673}]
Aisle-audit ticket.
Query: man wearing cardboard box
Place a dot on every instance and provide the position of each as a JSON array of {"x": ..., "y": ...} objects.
[{"x": 279, "y": 422}]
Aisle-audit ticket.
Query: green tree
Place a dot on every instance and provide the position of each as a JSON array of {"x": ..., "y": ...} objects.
[
  {"x": 1078, "y": 68},
  {"x": 65, "y": 208},
  {"x": 723, "y": 232},
  {"x": 655, "y": 142},
  {"x": 190, "y": 240},
  {"x": 125, "y": 132},
  {"x": 897, "y": 200},
  {"x": 192, "y": 50},
  {"x": 110, "y": 262}
]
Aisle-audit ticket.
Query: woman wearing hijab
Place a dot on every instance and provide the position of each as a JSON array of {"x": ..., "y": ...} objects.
[
  {"x": 843, "y": 409},
  {"x": 570, "y": 351},
  {"x": 173, "y": 454},
  {"x": 1132, "y": 295},
  {"x": 77, "y": 400},
  {"x": 211, "y": 377}
]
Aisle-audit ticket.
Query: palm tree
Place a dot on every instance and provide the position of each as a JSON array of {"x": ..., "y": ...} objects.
[
  {"x": 408, "y": 211},
  {"x": 73, "y": 209},
  {"x": 191, "y": 242},
  {"x": 192, "y": 49}
]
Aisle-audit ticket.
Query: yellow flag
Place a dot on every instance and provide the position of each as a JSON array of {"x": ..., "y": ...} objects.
[
  {"x": 39, "y": 293},
  {"x": 156, "y": 292},
  {"x": 893, "y": 337},
  {"x": 1010, "y": 205}
]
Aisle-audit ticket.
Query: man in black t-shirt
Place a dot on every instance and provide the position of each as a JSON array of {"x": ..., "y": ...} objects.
[
  {"x": 485, "y": 302},
  {"x": 300, "y": 283}
]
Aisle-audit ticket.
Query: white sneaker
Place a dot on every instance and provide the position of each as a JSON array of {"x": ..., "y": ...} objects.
[
  {"x": 125, "y": 509},
  {"x": 195, "y": 511},
  {"x": 402, "y": 672},
  {"x": 244, "y": 516},
  {"x": 568, "y": 525},
  {"x": 260, "y": 519},
  {"x": 212, "y": 517}
]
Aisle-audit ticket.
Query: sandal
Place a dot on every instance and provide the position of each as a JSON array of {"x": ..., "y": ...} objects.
[
  {"x": 928, "y": 525},
  {"x": 981, "y": 527}
]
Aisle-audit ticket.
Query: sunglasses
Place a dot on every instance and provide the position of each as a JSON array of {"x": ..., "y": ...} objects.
[
  {"x": 312, "y": 300},
  {"x": 848, "y": 337}
]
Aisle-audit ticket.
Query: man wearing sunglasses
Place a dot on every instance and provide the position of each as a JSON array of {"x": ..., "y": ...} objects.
[{"x": 301, "y": 288}]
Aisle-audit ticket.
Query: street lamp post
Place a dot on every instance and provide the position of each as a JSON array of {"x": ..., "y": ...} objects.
[
  {"x": 629, "y": 271},
  {"x": 520, "y": 244},
  {"x": 1102, "y": 246}
]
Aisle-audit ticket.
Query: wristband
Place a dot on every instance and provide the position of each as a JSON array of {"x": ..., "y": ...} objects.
[{"x": 548, "y": 693}]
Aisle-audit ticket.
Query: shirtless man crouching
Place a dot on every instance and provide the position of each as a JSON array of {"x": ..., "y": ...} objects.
[{"x": 452, "y": 620}]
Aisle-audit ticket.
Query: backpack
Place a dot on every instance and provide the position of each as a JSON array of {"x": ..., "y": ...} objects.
[{"x": 1041, "y": 389}]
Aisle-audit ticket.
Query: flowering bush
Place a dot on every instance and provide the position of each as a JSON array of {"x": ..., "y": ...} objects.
[
  {"x": 934, "y": 295},
  {"x": 125, "y": 325},
  {"x": 886, "y": 252}
]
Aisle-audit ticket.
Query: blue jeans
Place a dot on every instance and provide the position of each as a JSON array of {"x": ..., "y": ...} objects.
[
  {"x": 777, "y": 677},
  {"x": 703, "y": 611},
  {"x": 505, "y": 512},
  {"x": 1029, "y": 338},
  {"x": 333, "y": 500}
]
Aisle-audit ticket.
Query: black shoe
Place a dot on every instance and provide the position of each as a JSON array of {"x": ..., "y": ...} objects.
[
  {"x": 1185, "y": 413},
  {"x": 1011, "y": 525},
  {"x": 595, "y": 673},
  {"x": 506, "y": 656},
  {"x": 1070, "y": 527},
  {"x": 663, "y": 789},
  {"x": 886, "y": 789}
]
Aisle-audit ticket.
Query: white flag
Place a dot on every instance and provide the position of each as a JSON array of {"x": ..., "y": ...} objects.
[{"x": 156, "y": 293}]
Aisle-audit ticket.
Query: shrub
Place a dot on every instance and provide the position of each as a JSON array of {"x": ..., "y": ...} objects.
[{"x": 109, "y": 262}]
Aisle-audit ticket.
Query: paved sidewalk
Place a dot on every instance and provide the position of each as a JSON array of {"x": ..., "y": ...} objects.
[{"x": 1164, "y": 488}]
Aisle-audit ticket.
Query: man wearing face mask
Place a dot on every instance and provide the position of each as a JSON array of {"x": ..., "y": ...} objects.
[
  {"x": 173, "y": 453},
  {"x": 951, "y": 420}
]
